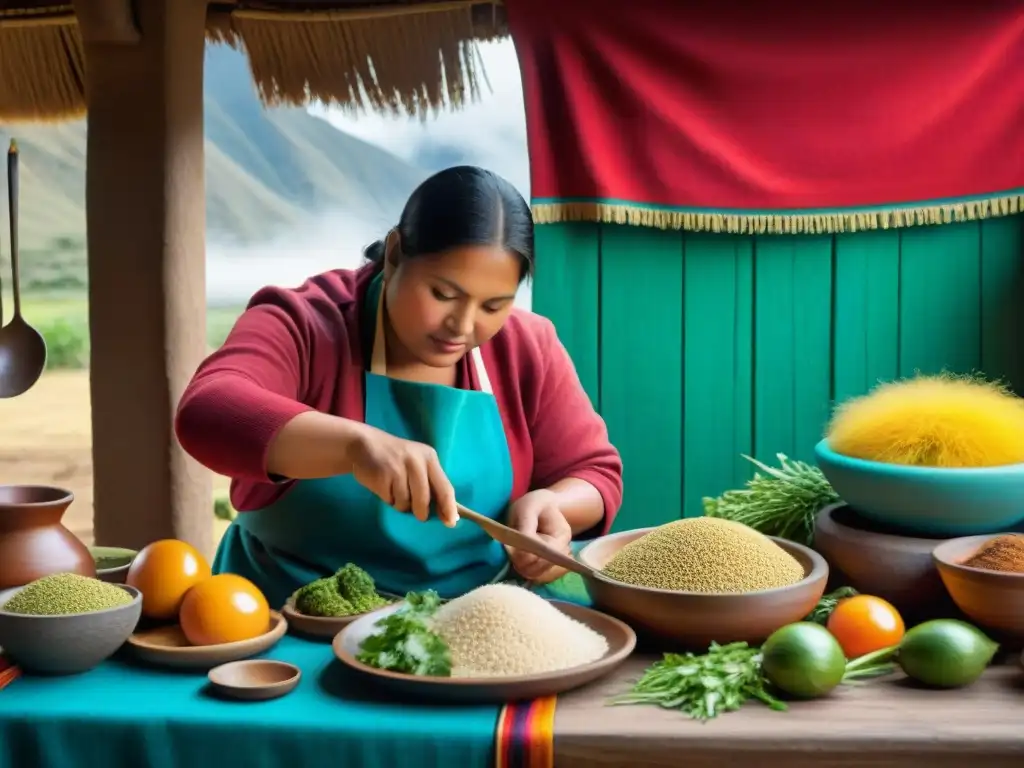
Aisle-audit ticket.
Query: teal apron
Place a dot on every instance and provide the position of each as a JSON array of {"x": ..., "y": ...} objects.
[{"x": 320, "y": 525}]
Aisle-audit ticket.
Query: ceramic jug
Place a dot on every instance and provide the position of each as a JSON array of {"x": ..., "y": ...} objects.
[{"x": 33, "y": 541}]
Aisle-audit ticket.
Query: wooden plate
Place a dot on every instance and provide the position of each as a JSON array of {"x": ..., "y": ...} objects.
[
  {"x": 167, "y": 647},
  {"x": 621, "y": 642}
]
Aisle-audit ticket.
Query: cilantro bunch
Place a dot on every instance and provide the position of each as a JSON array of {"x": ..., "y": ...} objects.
[{"x": 404, "y": 641}]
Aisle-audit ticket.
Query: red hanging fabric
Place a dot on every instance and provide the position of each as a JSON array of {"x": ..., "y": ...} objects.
[{"x": 749, "y": 108}]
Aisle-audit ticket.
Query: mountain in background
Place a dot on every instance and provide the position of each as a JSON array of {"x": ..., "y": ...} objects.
[{"x": 268, "y": 173}]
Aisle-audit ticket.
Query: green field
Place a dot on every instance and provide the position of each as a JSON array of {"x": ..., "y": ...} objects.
[{"x": 63, "y": 319}]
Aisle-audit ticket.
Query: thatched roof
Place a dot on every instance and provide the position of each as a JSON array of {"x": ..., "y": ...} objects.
[{"x": 399, "y": 56}]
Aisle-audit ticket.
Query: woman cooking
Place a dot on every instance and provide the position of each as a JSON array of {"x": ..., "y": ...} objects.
[{"x": 353, "y": 411}]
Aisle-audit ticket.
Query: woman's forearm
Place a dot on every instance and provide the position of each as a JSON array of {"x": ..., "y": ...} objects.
[
  {"x": 580, "y": 502},
  {"x": 314, "y": 445}
]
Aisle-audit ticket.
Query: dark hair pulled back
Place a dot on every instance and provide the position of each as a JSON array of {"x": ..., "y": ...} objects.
[{"x": 461, "y": 206}]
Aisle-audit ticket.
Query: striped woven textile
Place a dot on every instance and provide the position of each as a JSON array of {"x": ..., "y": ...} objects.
[
  {"x": 526, "y": 735},
  {"x": 8, "y": 672}
]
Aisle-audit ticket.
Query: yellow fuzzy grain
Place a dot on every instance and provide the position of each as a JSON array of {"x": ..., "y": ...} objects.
[{"x": 932, "y": 421}]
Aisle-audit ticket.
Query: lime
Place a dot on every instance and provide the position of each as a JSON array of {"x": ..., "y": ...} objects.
[
  {"x": 946, "y": 653},
  {"x": 803, "y": 660}
]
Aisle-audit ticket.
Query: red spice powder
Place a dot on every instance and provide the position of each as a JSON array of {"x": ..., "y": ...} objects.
[{"x": 1003, "y": 553}]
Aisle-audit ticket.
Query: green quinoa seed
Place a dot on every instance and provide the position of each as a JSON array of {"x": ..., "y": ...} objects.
[
  {"x": 705, "y": 554},
  {"x": 63, "y": 594}
]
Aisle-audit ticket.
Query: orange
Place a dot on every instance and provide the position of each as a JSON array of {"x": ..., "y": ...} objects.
[
  {"x": 865, "y": 623},
  {"x": 224, "y": 609},
  {"x": 163, "y": 572}
]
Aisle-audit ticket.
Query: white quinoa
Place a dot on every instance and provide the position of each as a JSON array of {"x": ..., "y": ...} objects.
[{"x": 501, "y": 630}]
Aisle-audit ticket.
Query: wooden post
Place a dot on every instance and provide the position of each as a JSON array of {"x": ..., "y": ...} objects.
[{"x": 145, "y": 204}]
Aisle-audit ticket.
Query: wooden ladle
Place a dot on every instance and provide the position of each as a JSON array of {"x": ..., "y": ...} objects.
[
  {"x": 22, "y": 347},
  {"x": 513, "y": 538}
]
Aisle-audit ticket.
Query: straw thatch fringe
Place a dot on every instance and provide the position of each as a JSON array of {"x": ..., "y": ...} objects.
[
  {"x": 42, "y": 65},
  {"x": 396, "y": 63},
  {"x": 409, "y": 58},
  {"x": 779, "y": 223}
]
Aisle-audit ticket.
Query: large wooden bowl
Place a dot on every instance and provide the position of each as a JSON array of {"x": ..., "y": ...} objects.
[
  {"x": 992, "y": 599},
  {"x": 696, "y": 619}
]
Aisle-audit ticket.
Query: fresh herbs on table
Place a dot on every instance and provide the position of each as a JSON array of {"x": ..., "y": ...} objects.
[
  {"x": 721, "y": 680},
  {"x": 782, "y": 502},
  {"x": 404, "y": 642}
]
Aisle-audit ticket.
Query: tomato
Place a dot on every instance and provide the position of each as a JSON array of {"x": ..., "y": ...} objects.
[
  {"x": 224, "y": 609},
  {"x": 163, "y": 572},
  {"x": 865, "y": 623}
]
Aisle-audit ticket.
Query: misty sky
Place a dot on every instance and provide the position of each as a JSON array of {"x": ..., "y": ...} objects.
[{"x": 490, "y": 133}]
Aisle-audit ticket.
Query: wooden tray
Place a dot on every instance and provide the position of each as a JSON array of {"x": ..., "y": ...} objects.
[
  {"x": 167, "y": 646},
  {"x": 621, "y": 642}
]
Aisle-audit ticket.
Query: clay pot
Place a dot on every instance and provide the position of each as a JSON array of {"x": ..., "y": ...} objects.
[{"x": 33, "y": 542}]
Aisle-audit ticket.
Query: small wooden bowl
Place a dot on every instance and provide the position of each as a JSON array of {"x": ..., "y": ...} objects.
[
  {"x": 992, "y": 599},
  {"x": 322, "y": 627},
  {"x": 696, "y": 619},
  {"x": 167, "y": 646},
  {"x": 882, "y": 561},
  {"x": 255, "y": 680}
]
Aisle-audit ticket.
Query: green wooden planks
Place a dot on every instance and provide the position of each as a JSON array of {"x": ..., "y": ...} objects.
[
  {"x": 566, "y": 291},
  {"x": 1002, "y": 288},
  {"x": 865, "y": 329},
  {"x": 717, "y": 345},
  {"x": 700, "y": 347},
  {"x": 940, "y": 299},
  {"x": 642, "y": 367},
  {"x": 792, "y": 343}
]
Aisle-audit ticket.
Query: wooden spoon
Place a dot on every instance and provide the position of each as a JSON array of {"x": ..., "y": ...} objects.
[
  {"x": 22, "y": 347},
  {"x": 513, "y": 538}
]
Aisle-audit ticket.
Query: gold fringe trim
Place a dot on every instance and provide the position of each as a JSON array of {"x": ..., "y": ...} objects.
[{"x": 779, "y": 224}]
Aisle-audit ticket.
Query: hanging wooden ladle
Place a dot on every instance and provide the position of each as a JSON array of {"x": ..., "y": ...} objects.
[{"x": 22, "y": 347}]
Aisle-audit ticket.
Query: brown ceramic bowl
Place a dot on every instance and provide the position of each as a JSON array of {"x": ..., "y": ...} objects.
[
  {"x": 992, "y": 599},
  {"x": 255, "y": 680},
  {"x": 881, "y": 561},
  {"x": 696, "y": 619},
  {"x": 496, "y": 690},
  {"x": 64, "y": 645}
]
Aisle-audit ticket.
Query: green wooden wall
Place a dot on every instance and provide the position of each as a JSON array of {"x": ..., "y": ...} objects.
[{"x": 697, "y": 348}]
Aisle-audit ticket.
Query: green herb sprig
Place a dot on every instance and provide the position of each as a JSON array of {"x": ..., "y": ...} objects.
[
  {"x": 782, "y": 502},
  {"x": 721, "y": 680},
  {"x": 828, "y": 603},
  {"x": 404, "y": 642}
]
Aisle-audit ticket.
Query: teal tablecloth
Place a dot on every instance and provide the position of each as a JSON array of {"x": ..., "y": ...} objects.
[{"x": 124, "y": 715}]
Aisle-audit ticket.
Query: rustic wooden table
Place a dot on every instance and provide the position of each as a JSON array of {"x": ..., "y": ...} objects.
[{"x": 882, "y": 724}]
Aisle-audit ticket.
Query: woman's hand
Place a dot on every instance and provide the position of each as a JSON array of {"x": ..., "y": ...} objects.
[
  {"x": 538, "y": 514},
  {"x": 405, "y": 474}
]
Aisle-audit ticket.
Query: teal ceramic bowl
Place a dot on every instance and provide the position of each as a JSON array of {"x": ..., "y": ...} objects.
[{"x": 932, "y": 501}]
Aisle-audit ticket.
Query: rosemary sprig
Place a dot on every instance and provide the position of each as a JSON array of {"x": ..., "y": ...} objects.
[{"x": 783, "y": 501}]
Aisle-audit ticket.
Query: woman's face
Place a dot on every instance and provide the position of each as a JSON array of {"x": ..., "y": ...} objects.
[{"x": 442, "y": 306}]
